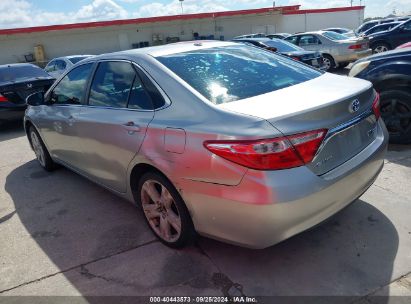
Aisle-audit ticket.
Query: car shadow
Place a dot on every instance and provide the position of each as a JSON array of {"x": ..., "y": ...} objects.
[
  {"x": 73, "y": 221},
  {"x": 350, "y": 254},
  {"x": 399, "y": 154}
]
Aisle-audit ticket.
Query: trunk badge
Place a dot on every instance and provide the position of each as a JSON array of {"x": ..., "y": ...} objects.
[
  {"x": 354, "y": 106},
  {"x": 29, "y": 85}
]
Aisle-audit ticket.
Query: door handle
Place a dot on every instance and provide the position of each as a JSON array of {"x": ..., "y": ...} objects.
[
  {"x": 71, "y": 120},
  {"x": 132, "y": 127}
]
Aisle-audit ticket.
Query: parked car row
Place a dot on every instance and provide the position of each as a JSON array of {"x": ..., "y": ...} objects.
[
  {"x": 285, "y": 48},
  {"x": 338, "y": 50}
]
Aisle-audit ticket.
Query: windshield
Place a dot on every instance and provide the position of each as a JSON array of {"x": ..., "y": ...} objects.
[
  {"x": 334, "y": 36},
  {"x": 74, "y": 60},
  {"x": 225, "y": 74},
  {"x": 283, "y": 46},
  {"x": 18, "y": 73}
]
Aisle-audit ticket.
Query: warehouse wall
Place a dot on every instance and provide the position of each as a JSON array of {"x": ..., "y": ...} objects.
[{"x": 115, "y": 38}]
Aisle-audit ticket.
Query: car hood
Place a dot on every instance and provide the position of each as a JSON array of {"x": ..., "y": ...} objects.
[{"x": 316, "y": 93}]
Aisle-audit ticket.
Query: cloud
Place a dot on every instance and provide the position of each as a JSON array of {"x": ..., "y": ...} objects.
[{"x": 21, "y": 13}]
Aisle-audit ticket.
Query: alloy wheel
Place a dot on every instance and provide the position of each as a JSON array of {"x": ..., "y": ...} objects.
[
  {"x": 397, "y": 116},
  {"x": 161, "y": 211},
  {"x": 327, "y": 63},
  {"x": 380, "y": 49}
]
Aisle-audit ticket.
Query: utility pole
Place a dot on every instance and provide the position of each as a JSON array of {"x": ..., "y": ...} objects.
[
  {"x": 182, "y": 9},
  {"x": 351, "y": 2}
]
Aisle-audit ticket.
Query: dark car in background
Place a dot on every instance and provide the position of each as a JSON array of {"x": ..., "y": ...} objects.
[
  {"x": 288, "y": 49},
  {"x": 390, "y": 73},
  {"x": 381, "y": 28},
  {"x": 388, "y": 40},
  {"x": 367, "y": 25},
  {"x": 17, "y": 81}
]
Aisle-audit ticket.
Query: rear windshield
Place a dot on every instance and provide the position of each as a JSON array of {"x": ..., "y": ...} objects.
[
  {"x": 74, "y": 60},
  {"x": 334, "y": 36},
  {"x": 283, "y": 46},
  {"x": 16, "y": 73},
  {"x": 225, "y": 74}
]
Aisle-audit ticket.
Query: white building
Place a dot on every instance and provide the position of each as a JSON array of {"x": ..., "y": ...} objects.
[{"x": 108, "y": 36}]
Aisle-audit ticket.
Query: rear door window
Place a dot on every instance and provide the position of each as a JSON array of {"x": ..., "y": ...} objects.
[
  {"x": 292, "y": 39},
  {"x": 60, "y": 65},
  {"x": 112, "y": 84},
  {"x": 51, "y": 66}
]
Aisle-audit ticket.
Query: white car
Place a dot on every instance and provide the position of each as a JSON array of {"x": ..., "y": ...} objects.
[{"x": 59, "y": 65}]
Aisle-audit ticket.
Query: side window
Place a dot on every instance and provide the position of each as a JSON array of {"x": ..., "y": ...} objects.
[
  {"x": 51, "y": 66},
  {"x": 60, "y": 65},
  {"x": 112, "y": 84},
  {"x": 71, "y": 89},
  {"x": 308, "y": 40},
  {"x": 407, "y": 27},
  {"x": 292, "y": 39},
  {"x": 139, "y": 98}
]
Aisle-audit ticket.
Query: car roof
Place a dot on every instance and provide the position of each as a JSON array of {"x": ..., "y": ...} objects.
[
  {"x": 13, "y": 65},
  {"x": 71, "y": 56},
  {"x": 262, "y": 39},
  {"x": 163, "y": 50}
]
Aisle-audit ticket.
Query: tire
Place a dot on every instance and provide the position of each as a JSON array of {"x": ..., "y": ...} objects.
[
  {"x": 40, "y": 150},
  {"x": 396, "y": 113},
  {"x": 328, "y": 62},
  {"x": 380, "y": 47},
  {"x": 164, "y": 210},
  {"x": 343, "y": 65}
]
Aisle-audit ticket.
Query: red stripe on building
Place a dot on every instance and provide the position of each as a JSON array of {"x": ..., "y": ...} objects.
[
  {"x": 325, "y": 10},
  {"x": 62, "y": 27}
]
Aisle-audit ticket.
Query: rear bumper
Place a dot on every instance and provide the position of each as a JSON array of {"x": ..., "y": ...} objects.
[
  {"x": 11, "y": 113},
  {"x": 269, "y": 207},
  {"x": 353, "y": 56}
]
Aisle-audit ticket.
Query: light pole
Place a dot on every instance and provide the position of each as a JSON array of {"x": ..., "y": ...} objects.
[{"x": 182, "y": 9}]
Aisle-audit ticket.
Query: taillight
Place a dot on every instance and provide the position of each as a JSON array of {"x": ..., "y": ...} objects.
[
  {"x": 376, "y": 106},
  {"x": 3, "y": 99},
  {"x": 296, "y": 58},
  {"x": 355, "y": 47},
  {"x": 270, "y": 154}
]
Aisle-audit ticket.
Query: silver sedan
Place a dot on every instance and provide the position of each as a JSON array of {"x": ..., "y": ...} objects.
[
  {"x": 226, "y": 140},
  {"x": 338, "y": 50}
]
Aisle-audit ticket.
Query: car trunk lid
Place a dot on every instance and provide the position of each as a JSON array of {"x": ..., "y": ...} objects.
[
  {"x": 339, "y": 104},
  {"x": 16, "y": 92}
]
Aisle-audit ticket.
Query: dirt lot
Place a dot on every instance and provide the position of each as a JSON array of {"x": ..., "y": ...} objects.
[{"x": 63, "y": 235}]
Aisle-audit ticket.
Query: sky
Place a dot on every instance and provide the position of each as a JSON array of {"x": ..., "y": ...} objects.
[{"x": 24, "y": 13}]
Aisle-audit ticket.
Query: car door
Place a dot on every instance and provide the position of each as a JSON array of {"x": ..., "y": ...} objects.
[
  {"x": 58, "y": 118},
  {"x": 402, "y": 34},
  {"x": 309, "y": 42},
  {"x": 114, "y": 123}
]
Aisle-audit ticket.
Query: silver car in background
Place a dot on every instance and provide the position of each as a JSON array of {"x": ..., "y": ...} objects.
[
  {"x": 228, "y": 140},
  {"x": 338, "y": 50},
  {"x": 57, "y": 66}
]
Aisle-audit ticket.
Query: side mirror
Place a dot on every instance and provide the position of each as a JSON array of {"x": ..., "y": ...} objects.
[{"x": 35, "y": 99}]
